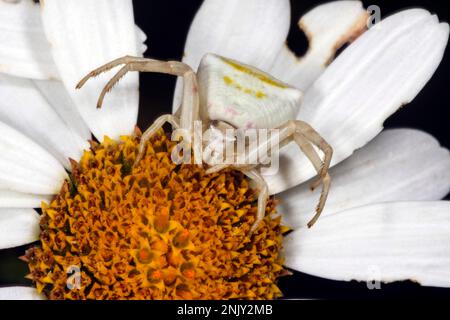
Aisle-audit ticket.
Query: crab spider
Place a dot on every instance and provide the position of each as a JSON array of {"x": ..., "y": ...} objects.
[{"x": 225, "y": 93}]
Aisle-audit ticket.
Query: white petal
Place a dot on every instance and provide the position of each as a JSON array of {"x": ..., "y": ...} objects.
[
  {"x": 24, "y": 50},
  {"x": 24, "y": 108},
  {"x": 141, "y": 37},
  {"x": 59, "y": 99},
  {"x": 27, "y": 167},
  {"x": 56, "y": 94},
  {"x": 18, "y": 227},
  {"x": 85, "y": 34},
  {"x": 251, "y": 31},
  {"x": 398, "y": 165},
  {"x": 14, "y": 199},
  {"x": 386, "y": 242},
  {"x": 328, "y": 27},
  {"x": 382, "y": 70},
  {"x": 20, "y": 293}
]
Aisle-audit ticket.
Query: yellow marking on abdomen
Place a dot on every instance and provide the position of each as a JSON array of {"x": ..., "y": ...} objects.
[
  {"x": 228, "y": 80},
  {"x": 255, "y": 74},
  {"x": 257, "y": 93}
]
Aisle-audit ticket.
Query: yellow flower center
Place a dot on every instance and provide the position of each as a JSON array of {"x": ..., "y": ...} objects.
[{"x": 156, "y": 230}]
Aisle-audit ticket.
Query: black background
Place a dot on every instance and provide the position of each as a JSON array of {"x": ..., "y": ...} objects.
[{"x": 166, "y": 24}]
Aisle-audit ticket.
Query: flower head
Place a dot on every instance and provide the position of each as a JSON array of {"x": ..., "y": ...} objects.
[{"x": 154, "y": 231}]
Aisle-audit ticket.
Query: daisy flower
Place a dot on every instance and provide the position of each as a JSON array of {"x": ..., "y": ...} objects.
[{"x": 108, "y": 229}]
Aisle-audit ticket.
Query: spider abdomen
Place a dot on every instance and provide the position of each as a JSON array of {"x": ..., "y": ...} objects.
[{"x": 243, "y": 95}]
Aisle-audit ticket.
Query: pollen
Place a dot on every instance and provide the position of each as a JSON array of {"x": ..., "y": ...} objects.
[{"x": 154, "y": 230}]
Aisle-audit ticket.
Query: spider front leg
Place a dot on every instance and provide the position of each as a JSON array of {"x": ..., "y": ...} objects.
[
  {"x": 159, "y": 122},
  {"x": 305, "y": 137},
  {"x": 190, "y": 105},
  {"x": 263, "y": 195}
]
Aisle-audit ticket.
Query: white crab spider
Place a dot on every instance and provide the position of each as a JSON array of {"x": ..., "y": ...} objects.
[{"x": 226, "y": 93}]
